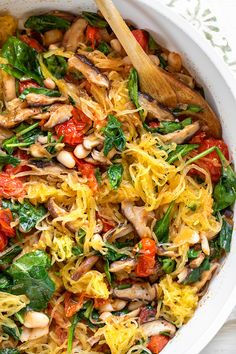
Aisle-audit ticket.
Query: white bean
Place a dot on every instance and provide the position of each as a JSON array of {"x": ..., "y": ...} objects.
[
  {"x": 205, "y": 245},
  {"x": 174, "y": 61},
  {"x": 115, "y": 44},
  {"x": 80, "y": 152},
  {"x": 105, "y": 315},
  {"x": 25, "y": 334},
  {"x": 35, "y": 319},
  {"x": 49, "y": 83},
  {"x": 38, "y": 332},
  {"x": 126, "y": 61},
  {"x": 66, "y": 158},
  {"x": 154, "y": 59},
  {"x": 42, "y": 139}
]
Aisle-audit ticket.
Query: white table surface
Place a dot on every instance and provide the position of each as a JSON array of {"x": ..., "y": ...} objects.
[{"x": 216, "y": 21}]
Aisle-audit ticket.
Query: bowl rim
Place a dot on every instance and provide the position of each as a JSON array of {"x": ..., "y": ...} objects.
[{"x": 227, "y": 76}]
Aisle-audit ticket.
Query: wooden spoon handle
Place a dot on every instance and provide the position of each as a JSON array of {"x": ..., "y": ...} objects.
[{"x": 151, "y": 78}]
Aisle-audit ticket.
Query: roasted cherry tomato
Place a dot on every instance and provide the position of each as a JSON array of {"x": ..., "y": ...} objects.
[
  {"x": 211, "y": 162},
  {"x": 88, "y": 170},
  {"x": 157, "y": 343},
  {"x": 23, "y": 156},
  {"x": 26, "y": 84},
  {"x": 33, "y": 43},
  {"x": 73, "y": 130},
  {"x": 93, "y": 35},
  {"x": 72, "y": 305},
  {"x": 11, "y": 187},
  {"x": 3, "y": 241},
  {"x": 141, "y": 37},
  {"x": 5, "y": 220},
  {"x": 146, "y": 257}
]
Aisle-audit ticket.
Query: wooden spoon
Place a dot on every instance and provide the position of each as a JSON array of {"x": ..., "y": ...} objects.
[{"x": 153, "y": 80}]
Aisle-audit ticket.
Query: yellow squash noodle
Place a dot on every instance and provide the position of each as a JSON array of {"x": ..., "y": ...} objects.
[{"x": 9, "y": 305}]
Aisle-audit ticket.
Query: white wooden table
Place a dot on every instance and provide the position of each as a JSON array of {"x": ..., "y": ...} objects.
[{"x": 215, "y": 20}]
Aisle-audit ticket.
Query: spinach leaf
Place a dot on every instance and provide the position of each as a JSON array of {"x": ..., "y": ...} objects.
[
  {"x": 27, "y": 213},
  {"x": 26, "y": 135},
  {"x": 5, "y": 282},
  {"x": 8, "y": 160},
  {"x": 43, "y": 23},
  {"x": 181, "y": 150},
  {"x": 30, "y": 277},
  {"x": 106, "y": 270},
  {"x": 193, "y": 254},
  {"x": 168, "y": 264},
  {"x": 11, "y": 71},
  {"x": 225, "y": 190},
  {"x": 120, "y": 313},
  {"x": 113, "y": 254},
  {"x": 39, "y": 91},
  {"x": 104, "y": 48},
  {"x": 98, "y": 176},
  {"x": 75, "y": 319},
  {"x": 133, "y": 85},
  {"x": 169, "y": 127},
  {"x": 192, "y": 108},
  {"x": 6, "y": 257},
  {"x": 124, "y": 286},
  {"x": 57, "y": 65},
  {"x": 225, "y": 236},
  {"x": 196, "y": 273},
  {"x": 152, "y": 45},
  {"x": 77, "y": 251},
  {"x": 9, "y": 351},
  {"x": 115, "y": 173},
  {"x": 94, "y": 19},
  {"x": 22, "y": 57},
  {"x": 114, "y": 136},
  {"x": 12, "y": 332},
  {"x": 161, "y": 228}
]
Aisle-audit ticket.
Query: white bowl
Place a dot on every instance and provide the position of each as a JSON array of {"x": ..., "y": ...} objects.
[{"x": 175, "y": 33}]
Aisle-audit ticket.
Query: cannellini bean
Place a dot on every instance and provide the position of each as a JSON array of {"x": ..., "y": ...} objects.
[
  {"x": 91, "y": 141},
  {"x": 174, "y": 61},
  {"x": 38, "y": 332},
  {"x": 98, "y": 156},
  {"x": 115, "y": 305},
  {"x": 194, "y": 238},
  {"x": 205, "y": 244},
  {"x": 154, "y": 59},
  {"x": 25, "y": 334},
  {"x": 66, "y": 158},
  {"x": 80, "y": 152},
  {"x": 135, "y": 305},
  {"x": 126, "y": 61},
  {"x": 49, "y": 83},
  {"x": 105, "y": 315},
  {"x": 35, "y": 319},
  {"x": 42, "y": 139},
  {"x": 53, "y": 46},
  {"x": 52, "y": 36},
  {"x": 115, "y": 44},
  {"x": 195, "y": 263}
]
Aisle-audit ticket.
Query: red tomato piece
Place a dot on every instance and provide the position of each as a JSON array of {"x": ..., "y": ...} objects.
[
  {"x": 33, "y": 43},
  {"x": 73, "y": 130},
  {"x": 157, "y": 343},
  {"x": 11, "y": 187},
  {"x": 146, "y": 257},
  {"x": 93, "y": 35},
  {"x": 211, "y": 162},
  {"x": 88, "y": 171},
  {"x": 146, "y": 314},
  {"x": 11, "y": 170},
  {"x": 3, "y": 241},
  {"x": 5, "y": 220},
  {"x": 26, "y": 84},
  {"x": 154, "y": 124},
  {"x": 141, "y": 37},
  {"x": 72, "y": 306}
]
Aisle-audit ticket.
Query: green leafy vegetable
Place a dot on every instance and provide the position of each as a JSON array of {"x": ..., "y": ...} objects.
[
  {"x": 120, "y": 313},
  {"x": 161, "y": 228},
  {"x": 7, "y": 256},
  {"x": 75, "y": 319},
  {"x": 30, "y": 277},
  {"x": 192, "y": 108},
  {"x": 163, "y": 62},
  {"x": 193, "y": 254},
  {"x": 114, "y": 136},
  {"x": 52, "y": 148},
  {"x": 181, "y": 150},
  {"x": 9, "y": 351},
  {"x": 115, "y": 173},
  {"x": 43, "y": 23},
  {"x": 106, "y": 270},
  {"x": 22, "y": 57},
  {"x": 124, "y": 286},
  {"x": 113, "y": 253},
  {"x": 152, "y": 44},
  {"x": 5, "y": 282},
  {"x": 225, "y": 190},
  {"x": 195, "y": 274},
  {"x": 77, "y": 251},
  {"x": 39, "y": 91},
  {"x": 98, "y": 176},
  {"x": 12, "y": 332},
  {"x": 11, "y": 71},
  {"x": 8, "y": 160},
  {"x": 225, "y": 236},
  {"x": 169, "y": 127},
  {"x": 26, "y": 135},
  {"x": 104, "y": 48},
  {"x": 168, "y": 264},
  {"x": 133, "y": 85},
  {"x": 94, "y": 19},
  {"x": 57, "y": 65},
  {"x": 28, "y": 214}
]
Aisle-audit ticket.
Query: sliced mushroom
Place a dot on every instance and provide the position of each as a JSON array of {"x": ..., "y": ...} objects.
[
  {"x": 60, "y": 115},
  {"x": 139, "y": 217},
  {"x": 195, "y": 263},
  {"x": 74, "y": 35},
  {"x": 90, "y": 71},
  {"x": 35, "y": 100},
  {"x": 127, "y": 265},
  {"x": 186, "y": 79},
  {"x": 85, "y": 266},
  {"x": 206, "y": 276},
  {"x": 142, "y": 291},
  {"x": 5, "y": 134},
  {"x": 154, "y": 108},
  {"x": 56, "y": 211},
  {"x": 38, "y": 151},
  {"x": 10, "y": 119},
  {"x": 154, "y": 328},
  {"x": 113, "y": 305},
  {"x": 52, "y": 36},
  {"x": 63, "y": 14},
  {"x": 180, "y": 136}
]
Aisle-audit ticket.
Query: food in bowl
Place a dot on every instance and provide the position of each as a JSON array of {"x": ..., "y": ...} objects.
[{"x": 115, "y": 210}]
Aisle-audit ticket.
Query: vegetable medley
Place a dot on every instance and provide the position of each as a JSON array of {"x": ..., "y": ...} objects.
[{"x": 115, "y": 210}]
